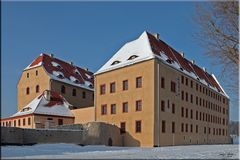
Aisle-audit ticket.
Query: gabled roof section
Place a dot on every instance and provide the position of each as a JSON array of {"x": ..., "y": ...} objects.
[
  {"x": 148, "y": 46},
  {"x": 48, "y": 103},
  {"x": 63, "y": 71}
]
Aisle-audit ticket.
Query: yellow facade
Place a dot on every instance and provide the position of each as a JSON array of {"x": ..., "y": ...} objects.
[
  {"x": 152, "y": 116},
  {"x": 84, "y": 115}
]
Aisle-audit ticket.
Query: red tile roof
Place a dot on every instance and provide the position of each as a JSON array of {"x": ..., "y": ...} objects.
[
  {"x": 158, "y": 45},
  {"x": 68, "y": 70}
]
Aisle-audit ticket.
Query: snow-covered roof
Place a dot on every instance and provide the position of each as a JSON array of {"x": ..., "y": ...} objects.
[
  {"x": 63, "y": 71},
  {"x": 48, "y": 103},
  {"x": 148, "y": 46}
]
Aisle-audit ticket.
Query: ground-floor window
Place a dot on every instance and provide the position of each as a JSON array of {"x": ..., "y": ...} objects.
[
  {"x": 138, "y": 127},
  {"x": 122, "y": 127}
]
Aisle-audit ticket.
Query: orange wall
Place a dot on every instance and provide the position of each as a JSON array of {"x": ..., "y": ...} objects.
[{"x": 84, "y": 115}]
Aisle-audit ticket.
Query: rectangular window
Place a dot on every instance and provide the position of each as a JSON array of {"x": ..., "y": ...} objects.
[
  {"x": 139, "y": 105},
  {"x": 182, "y": 127},
  {"x": 196, "y": 128},
  {"x": 191, "y": 84},
  {"x": 186, "y": 96},
  {"x": 23, "y": 121},
  {"x": 204, "y": 130},
  {"x": 125, "y": 107},
  {"x": 113, "y": 108},
  {"x": 186, "y": 113},
  {"x": 125, "y": 85},
  {"x": 196, "y": 100},
  {"x": 182, "y": 112},
  {"x": 186, "y": 127},
  {"x": 196, "y": 115},
  {"x": 173, "y": 86},
  {"x": 182, "y": 79},
  {"x": 182, "y": 95},
  {"x": 102, "y": 89},
  {"x": 83, "y": 95},
  {"x": 19, "y": 122},
  {"x": 200, "y": 88},
  {"x": 74, "y": 92},
  {"x": 29, "y": 121},
  {"x": 173, "y": 108},
  {"x": 139, "y": 82},
  {"x": 191, "y": 116},
  {"x": 163, "y": 126},
  {"x": 104, "y": 109},
  {"x": 163, "y": 106},
  {"x": 173, "y": 127},
  {"x": 112, "y": 87},
  {"x": 60, "y": 122},
  {"x": 162, "y": 82},
  {"x": 122, "y": 127},
  {"x": 27, "y": 75},
  {"x": 191, "y": 128},
  {"x": 191, "y": 98},
  {"x": 186, "y": 82},
  {"x": 196, "y": 87},
  {"x": 138, "y": 127},
  {"x": 14, "y": 123}
]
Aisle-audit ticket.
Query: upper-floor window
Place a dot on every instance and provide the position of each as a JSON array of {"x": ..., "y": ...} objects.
[
  {"x": 196, "y": 87},
  {"x": 173, "y": 108},
  {"x": 182, "y": 95},
  {"x": 191, "y": 98},
  {"x": 27, "y": 75},
  {"x": 163, "y": 106},
  {"x": 74, "y": 92},
  {"x": 112, "y": 87},
  {"x": 102, "y": 89},
  {"x": 125, "y": 85},
  {"x": 191, "y": 83},
  {"x": 132, "y": 57},
  {"x": 28, "y": 90},
  {"x": 138, "y": 82},
  {"x": 63, "y": 90},
  {"x": 173, "y": 86},
  {"x": 162, "y": 82},
  {"x": 36, "y": 72},
  {"x": 182, "y": 112},
  {"x": 163, "y": 126},
  {"x": 186, "y": 96},
  {"x": 83, "y": 94},
  {"x": 173, "y": 127},
  {"x": 37, "y": 88},
  {"x": 138, "y": 126},
  {"x": 104, "y": 109},
  {"x": 125, "y": 107},
  {"x": 139, "y": 105},
  {"x": 186, "y": 82},
  {"x": 182, "y": 79},
  {"x": 115, "y": 62},
  {"x": 113, "y": 108},
  {"x": 29, "y": 121}
]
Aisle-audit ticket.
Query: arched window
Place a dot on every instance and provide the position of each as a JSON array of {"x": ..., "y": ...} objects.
[
  {"x": 63, "y": 90},
  {"x": 27, "y": 90},
  {"x": 36, "y": 72},
  {"x": 132, "y": 57},
  {"x": 37, "y": 88},
  {"x": 115, "y": 62}
]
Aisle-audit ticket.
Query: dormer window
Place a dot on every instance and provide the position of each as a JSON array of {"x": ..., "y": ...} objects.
[
  {"x": 58, "y": 74},
  {"x": 76, "y": 72},
  {"x": 56, "y": 65},
  {"x": 169, "y": 61},
  {"x": 90, "y": 85},
  {"x": 115, "y": 62},
  {"x": 181, "y": 68},
  {"x": 73, "y": 79},
  {"x": 132, "y": 57}
]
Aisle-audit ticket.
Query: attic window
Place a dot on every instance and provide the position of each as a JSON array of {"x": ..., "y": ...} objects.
[
  {"x": 73, "y": 79},
  {"x": 90, "y": 85},
  {"x": 169, "y": 61},
  {"x": 58, "y": 74},
  {"x": 76, "y": 71},
  {"x": 132, "y": 57},
  {"x": 115, "y": 62},
  {"x": 25, "y": 109},
  {"x": 181, "y": 68},
  {"x": 56, "y": 65}
]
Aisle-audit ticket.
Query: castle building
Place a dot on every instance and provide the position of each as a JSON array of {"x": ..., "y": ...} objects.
[
  {"x": 157, "y": 97},
  {"x": 46, "y": 72},
  {"x": 47, "y": 110}
]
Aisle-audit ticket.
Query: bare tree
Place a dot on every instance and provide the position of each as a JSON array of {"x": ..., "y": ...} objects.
[{"x": 219, "y": 34}]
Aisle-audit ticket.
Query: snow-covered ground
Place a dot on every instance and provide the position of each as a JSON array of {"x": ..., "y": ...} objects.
[{"x": 47, "y": 151}]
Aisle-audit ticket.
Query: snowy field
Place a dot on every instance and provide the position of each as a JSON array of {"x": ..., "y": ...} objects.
[{"x": 66, "y": 151}]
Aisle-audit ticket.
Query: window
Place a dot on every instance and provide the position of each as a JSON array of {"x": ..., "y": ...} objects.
[
  {"x": 102, "y": 89},
  {"x": 139, "y": 105},
  {"x": 186, "y": 113},
  {"x": 49, "y": 119},
  {"x": 173, "y": 108},
  {"x": 191, "y": 98},
  {"x": 196, "y": 115},
  {"x": 37, "y": 88},
  {"x": 173, "y": 86},
  {"x": 163, "y": 106},
  {"x": 27, "y": 75},
  {"x": 138, "y": 127},
  {"x": 191, "y": 114},
  {"x": 186, "y": 82},
  {"x": 74, "y": 92},
  {"x": 191, "y": 84},
  {"x": 196, "y": 100},
  {"x": 60, "y": 121},
  {"x": 204, "y": 130},
  {"x": 173, "y": 127},
  {"x": 196, "y": 87},
  {"x": 63, "y": 90},
  {"x": 196, "y": 128},
  {"x": 112, "y": 87},
  {"x": 125, "y": 85},
  {"x": 104, "y": 109},
  {"x": 138, "y": 82},
  {"x": 23, "y": 121},
  {"x": 182, "y": 112},
  {"x": 186, "y": 96},
  {"x": 186, "y": 127},
  {"x": 29, "y": 121},
  {"x": 182, "y": 79},
  {"x": 122, "y": 127},
  {"x": 113, "y": 108},
  {"x": 115, "y": 62},
  {"x": 163, "y": 126},
  {"x": 200, "y": 88},
  {"x": 36, "y": 72},
  {"x": 191, "y": 128},
  {"x": 14, "y": 123},
  {"x": 19, "y": 122},
  {"x": 162, "y": 82},
  {"x": 28, "y": 91},
  {"x": 125, "y": 107},
  {"x": 182, "y": 127},
  {"x": 83, "y": 94},
  {"x": 132, "y": 57}
]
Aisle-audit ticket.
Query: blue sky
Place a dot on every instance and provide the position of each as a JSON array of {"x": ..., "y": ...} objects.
[{"x": 89, "y": 33}]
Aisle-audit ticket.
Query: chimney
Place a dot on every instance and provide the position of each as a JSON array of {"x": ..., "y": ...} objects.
[
  {"x": 205, "y": 70},
  {"x": 182, "y": 54},
  {"x": 157, "y": 36},
  {"x": 47, "y": 95},
  {"x": 71, "y": 63},
  {"x": 193, "y": 62},
  {"x": 51, "y": 55}
]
